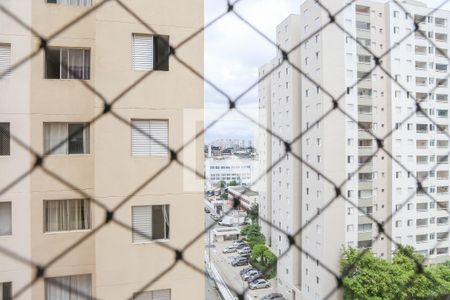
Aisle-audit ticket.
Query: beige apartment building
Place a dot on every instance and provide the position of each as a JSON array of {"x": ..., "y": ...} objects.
[
  {"x": 343, "y": 147},
  {"x": 45, "y": 101}
]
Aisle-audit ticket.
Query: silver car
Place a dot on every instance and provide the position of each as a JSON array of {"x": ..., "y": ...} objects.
[
  {"x": 245, "y": 250},
  {"x": 229, "y": 249},
  {"x": 259, "y": 284}
]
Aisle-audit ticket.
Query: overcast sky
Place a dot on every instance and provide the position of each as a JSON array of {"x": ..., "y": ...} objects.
[{"x": 233, "y": 54}]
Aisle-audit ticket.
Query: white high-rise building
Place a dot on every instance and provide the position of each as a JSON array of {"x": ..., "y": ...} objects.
[{"x": 334, "y": 146}]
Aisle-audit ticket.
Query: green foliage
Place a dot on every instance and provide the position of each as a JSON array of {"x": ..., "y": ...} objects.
[
  {"x": 253, "y": 213},
  {"x": 233, "y": 183},
  {"x": 222, "y": 184},
  {"x": 225, "y": 196},
  {"x": 263, "y": 259},
  {"x": 253, "y": 235},
  {"x": 370, "y": 277},
  {"x": 250, "y": 229}
]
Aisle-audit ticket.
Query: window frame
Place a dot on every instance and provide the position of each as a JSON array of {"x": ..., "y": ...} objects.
[
  {"x": 61, "y": 48},
  {"x": 44, "y": 217},
  {"x": 86, "y": 139},
  {"x": 150, "y": 154},
  {"x": 160, "y": 48},
  {"x": 10, "y": 233},
  {"x": 6, "y": 136},
  {"x": 144, "y": 239}
]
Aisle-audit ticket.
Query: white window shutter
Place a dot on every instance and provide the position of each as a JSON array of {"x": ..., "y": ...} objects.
[
  {"x": 153, "y": 295},
  {"x": 141, "y": 223},
  {"x": 143, "y": 296},
  {"x": 140, "y": 141},
  {"x": 161, "y": 295},
  {"x": 142, "y": 52},
  {"x": 5, "y": 60},
  {"x": 159, "y": 131}
]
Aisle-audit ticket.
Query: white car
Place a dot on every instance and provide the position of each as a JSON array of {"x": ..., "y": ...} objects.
[
  {"x": 259, "y": 284},
  {"x": 250, "y": 274},
  {"x": 229, "y": 249},
  {"x": 245, "y": 250}
]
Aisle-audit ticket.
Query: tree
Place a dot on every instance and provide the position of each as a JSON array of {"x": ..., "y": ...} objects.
[
  {"x": 233, "y": 183},
  {"x": 222, "y": 184},
  {"x": 258, "y": 253},
  {"x": 370, "y": 277},
  {"x": 253, "y": 235},
  {"x": 225, "y": 196},
  {"x": 253, "y": 213}
]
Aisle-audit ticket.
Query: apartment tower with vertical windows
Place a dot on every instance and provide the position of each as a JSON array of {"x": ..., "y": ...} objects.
[
  {"x": 94, "y": 161},
  {"x": 344, "y": 149}
]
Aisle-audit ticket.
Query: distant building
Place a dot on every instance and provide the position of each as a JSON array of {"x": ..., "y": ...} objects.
[
  {"x": 245, "y": 195},
  {"x": 229, "y": 169}
]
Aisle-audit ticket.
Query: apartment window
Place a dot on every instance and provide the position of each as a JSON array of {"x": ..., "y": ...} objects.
[
  {"x": 151, "y": 52},
  {"x": 5, "y": 59},
  {"x": 6, "y": 290},
  {"x": 71, "y": 2},
  {"x": 153, "y": 295},
  {"x": 67, "y": 215},
  {"x": 150, "y": 222},
  {"x": 149, "y": 137},
  {"x": 365, "y": 227},
  {"x": 67, "y": 63},
  {"x": 5, "y": 219},
  {"x": 66, "y": 138},
  {"x": 68, "y": 287},
  {"x": 4, "y": 139},
  {"x": 420, "y": 238}
]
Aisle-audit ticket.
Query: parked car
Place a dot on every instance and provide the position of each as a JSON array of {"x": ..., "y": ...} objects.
[
  {"x": 259, "y": 284},
  {"x": 245, "y": 270},
  {"x": 215, "y": 217},
  {"x": 250, "y": 274},
  {"x": 240, "y": 246},
  {"x": 229, "y": 249},
  {"x": 239, "y": 261},
  {"x": 255, "y": 277},
  {"x": 273, "y": 296},
  {"x": 245, "y": 250},
  {"x": 238, "y": 242}
]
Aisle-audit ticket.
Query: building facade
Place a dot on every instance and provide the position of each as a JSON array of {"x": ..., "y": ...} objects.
[
  {"x": 342, "y": 146},
  {"x": 230, "y": 168},
  {"x": 45, "y": 104},
  {"x": 279, "y": 190}
]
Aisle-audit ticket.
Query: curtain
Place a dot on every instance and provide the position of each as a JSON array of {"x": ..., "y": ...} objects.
[
  {"x": 5, "y": 218},
  {"x": 55, "y": 135},
  {"x": 64, "y": 215},
  {"x": 166, "y": 221},
  {"x": 76, "y": 63},
  {"x": 75, "y": 287},
  {"x": 81, "y": 287},
  {"x": 54, "y": 291}
]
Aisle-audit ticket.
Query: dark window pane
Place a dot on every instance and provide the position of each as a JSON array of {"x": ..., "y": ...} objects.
[
  {"x": 52, "y": 63},
  {"x": 87, "y": 64},
  {"x": 161, "y": 59},
  {"x": 51, "y": 1},
  {"x": 4, "y": 139},
  {"x": 77, "y": 143},
  {"x": 64, "y": 63},
  {"x": 7, "y": 290}
]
